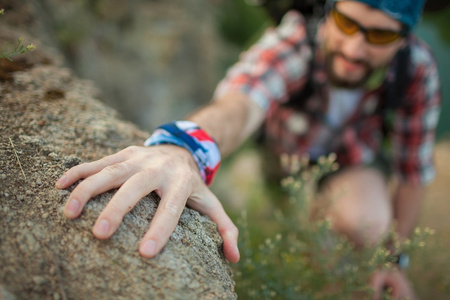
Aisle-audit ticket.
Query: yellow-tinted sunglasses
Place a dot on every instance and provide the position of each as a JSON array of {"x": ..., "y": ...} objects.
[{"x": 372, "y": 35}]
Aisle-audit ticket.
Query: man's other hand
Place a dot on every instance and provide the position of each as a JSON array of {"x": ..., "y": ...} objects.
[{"x": 395, "y": 281}]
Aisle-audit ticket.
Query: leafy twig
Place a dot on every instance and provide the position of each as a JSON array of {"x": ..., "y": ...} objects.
[{"x": 18, "y": 48}]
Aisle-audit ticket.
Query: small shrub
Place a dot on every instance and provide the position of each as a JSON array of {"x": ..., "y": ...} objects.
[{"x": 305, "y": 259}]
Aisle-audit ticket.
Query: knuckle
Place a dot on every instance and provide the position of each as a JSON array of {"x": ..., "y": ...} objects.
[
  {"x": 186, "y": 177},
  {"x": 232, "y": 230},
  {"x": 115, "y": 169},
  {"x": 114, "y": 212},
  {"x": 172, "y": 208},
  {"x": 188, "y": 173},
  {"x": 98, "y": 164},
  {"x": 131, "y": 150},
  {"x": 149, "y": 175},
  {"x": 82, "y": 191}
]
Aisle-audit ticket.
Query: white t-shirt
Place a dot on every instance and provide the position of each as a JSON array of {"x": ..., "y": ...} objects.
[{"x": 342, "y": 104}]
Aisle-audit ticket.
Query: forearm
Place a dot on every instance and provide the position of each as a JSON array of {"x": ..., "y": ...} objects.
[
  {"x": 229, "y": 120},
  {"x": 408, "y": 200}
]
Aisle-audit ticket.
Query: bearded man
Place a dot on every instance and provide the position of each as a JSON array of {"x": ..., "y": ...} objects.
[{"x": 362, "y": 80}]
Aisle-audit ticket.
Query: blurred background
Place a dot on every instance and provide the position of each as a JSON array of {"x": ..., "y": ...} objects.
[{"x": 155, "y": 61}]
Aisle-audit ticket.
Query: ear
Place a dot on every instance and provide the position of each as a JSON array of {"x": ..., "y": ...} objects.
[{"x": 403, "y": 43}]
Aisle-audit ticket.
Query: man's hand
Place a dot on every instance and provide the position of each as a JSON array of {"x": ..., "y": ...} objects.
[
  {"x": 396, "y": 281},
  {"x": 168, "y": 170}
]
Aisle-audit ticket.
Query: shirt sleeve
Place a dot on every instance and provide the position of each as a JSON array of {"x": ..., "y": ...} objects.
[
  {"x": 274, "y": 67},
  {"x": 415, "y": 123}
]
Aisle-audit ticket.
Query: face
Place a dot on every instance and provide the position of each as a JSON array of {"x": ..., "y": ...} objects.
[{"x": 350, "y": 59}]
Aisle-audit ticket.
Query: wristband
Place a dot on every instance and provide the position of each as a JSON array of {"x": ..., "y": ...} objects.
[{"x": 188, "y": 135}]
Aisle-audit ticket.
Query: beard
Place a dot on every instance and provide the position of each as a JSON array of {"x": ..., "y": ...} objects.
[{"x": 341, "y": 82}]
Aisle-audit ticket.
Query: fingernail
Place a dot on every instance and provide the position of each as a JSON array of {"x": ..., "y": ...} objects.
[
  {"x": 72, "y": 208},
  {"x": 62, "y": 181},
  {"x": 102, "y": 228},
  {"x": 148, "y": 248},
  {"x": 238, "y": 255}
]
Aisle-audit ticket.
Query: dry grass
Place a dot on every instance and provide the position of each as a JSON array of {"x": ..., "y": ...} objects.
[{"x": 17, "y": 157}]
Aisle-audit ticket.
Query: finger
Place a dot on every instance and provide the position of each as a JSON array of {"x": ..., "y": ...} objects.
[
  {"x": 173, "y": 201},
  {"x": 392, "y": 284},
  {"x": 110, "y": 177},
  {"x": 377, "y": 281},
  {"x": 212, "y": 207},
  {"x": 401, "y": 288},
  {"x": 87, "y": 169},
  {"x": 133, "y": 190}
]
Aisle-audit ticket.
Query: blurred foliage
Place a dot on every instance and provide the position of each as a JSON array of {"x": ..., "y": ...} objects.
[
  {"x": 309, "y": 8},
  {"x": 303, "y": 258},
  {"x": 240, "y": 23},
  {"x": 441, "y": 19}
]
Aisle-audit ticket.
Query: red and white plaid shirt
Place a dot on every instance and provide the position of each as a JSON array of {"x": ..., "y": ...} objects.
[{"x": 279, "y": 65}]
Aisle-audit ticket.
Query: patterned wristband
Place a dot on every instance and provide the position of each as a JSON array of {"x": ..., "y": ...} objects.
[{"x": 188, "y": 135}]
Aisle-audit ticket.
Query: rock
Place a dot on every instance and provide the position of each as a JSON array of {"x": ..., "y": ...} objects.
[
  {"x": 135, "y": 51},
  {"x": 5, "y": 294},
  {"x": 44, "y": 255}
]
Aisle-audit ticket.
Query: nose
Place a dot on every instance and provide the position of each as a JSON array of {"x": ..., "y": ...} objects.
[{"x": 354, "y": 47}]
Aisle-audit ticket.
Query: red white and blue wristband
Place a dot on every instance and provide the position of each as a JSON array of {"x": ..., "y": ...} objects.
[{"x": 188, "y": 135}]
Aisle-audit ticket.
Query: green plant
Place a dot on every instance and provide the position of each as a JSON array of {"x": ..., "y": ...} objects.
[
  {"x": 240, "y": 23},
  {"x": 305, "y": 259},
  {"x": 17, "y": 49}
]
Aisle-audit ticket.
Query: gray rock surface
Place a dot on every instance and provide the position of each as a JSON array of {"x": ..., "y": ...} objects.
[{"x": 49, "y": 122}]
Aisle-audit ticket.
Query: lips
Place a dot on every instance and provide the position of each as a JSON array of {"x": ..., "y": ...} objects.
[
  {"x": 346, "y": 72},
  {"x": 349, "y": 65}
]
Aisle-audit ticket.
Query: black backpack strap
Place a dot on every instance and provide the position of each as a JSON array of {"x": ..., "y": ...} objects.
[
  {"x": 393, "y": 96},
  {"x": 395, "y": 90}
]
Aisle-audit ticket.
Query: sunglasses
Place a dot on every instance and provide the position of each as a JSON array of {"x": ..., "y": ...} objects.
[{"x": 373, "y": 36}]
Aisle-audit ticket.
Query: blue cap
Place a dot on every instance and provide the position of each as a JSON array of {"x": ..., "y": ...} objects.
[{"x": 407, "y": 12}]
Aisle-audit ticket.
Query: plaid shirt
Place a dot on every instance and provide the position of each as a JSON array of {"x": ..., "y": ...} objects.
[{"x": 280, "y": 64}]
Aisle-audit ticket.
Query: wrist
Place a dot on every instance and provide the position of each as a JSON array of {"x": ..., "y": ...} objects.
[
  {"x": 198, "y": 142},
  {"x": 179, "y": 152}
]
